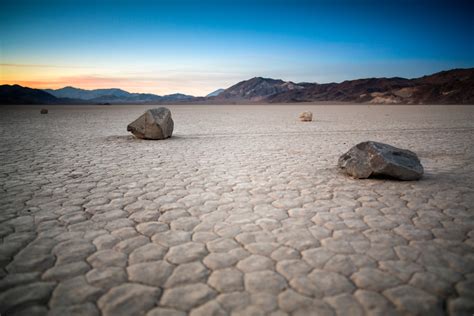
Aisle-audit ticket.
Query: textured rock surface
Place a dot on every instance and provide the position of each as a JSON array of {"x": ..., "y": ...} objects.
[
  {"x": 153, "y": 124},
  {"x": 306, "y": 116},
  {"x": 241, "y": 214},
  {"x": 377, "y": 159}
]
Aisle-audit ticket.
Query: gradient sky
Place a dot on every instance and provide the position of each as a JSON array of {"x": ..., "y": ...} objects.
[{"x": 196, "y": 47}]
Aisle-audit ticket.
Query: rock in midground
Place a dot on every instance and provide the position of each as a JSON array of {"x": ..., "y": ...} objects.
[
  {"x": 306, "y": 116},
  {"x": 377, "y": 159},
  {"x": 153, "y": 124}
]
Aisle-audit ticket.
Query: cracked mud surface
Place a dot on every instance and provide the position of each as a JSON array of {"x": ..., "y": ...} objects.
[{"x": 243, "y": 211}]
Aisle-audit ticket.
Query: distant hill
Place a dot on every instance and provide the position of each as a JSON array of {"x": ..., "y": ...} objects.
[
  {"x": 15, "y": 94},
  {"x": 257, "y": 89},
  {"x": 76, "y": 93},
  {"x": 447, "y": 87},
  {"x": 115, "y": 96},
  {"x": 360, "y": 90},
  {"x": 215, "y": 93},
  {"x": 452, "y": 86},
  {"x": 176, "y": 97}
]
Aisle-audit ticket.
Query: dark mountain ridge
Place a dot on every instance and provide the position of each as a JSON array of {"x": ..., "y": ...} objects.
[
  {"x": 447, "y": 87},
  {"x": 257, "y": 89},
  {"x": 16, "y": 94}
]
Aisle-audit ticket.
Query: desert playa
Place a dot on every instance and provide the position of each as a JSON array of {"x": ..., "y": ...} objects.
[{"x": 242, "y": 211}]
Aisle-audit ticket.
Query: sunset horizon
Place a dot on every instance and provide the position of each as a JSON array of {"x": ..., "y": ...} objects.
[{"x": 91, "y": 84}]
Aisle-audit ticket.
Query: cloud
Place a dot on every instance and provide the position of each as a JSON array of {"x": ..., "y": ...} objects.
[
  {"x": 88, "y": 81},
  {"x": 41, "y": 66}
]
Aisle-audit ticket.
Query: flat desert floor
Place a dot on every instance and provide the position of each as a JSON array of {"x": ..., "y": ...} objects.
[{"x": 243, "y": 211}]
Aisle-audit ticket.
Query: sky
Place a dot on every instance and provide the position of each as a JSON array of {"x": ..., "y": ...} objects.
[{"x": 196, "y": 47}]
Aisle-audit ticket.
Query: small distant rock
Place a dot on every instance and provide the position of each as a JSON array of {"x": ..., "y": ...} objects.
[
  {"x": 44, "y": 111},
  {"x": 153, "y": 124},
  {"x": 306, "y": 116},
  {"x": 377, "y": 159}
]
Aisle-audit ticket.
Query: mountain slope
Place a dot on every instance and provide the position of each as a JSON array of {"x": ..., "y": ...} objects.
[
  {"x": 114, "y": 95},
  {"x": 257, "y": 89},
  {"x": 177, "y": 97},
  {"x": 450, "y": 87},
  {"x": 215, "y": 93},
  {"x": 76, "y": 93},
  {"x": 360, "y": 90},
  {"x": 15, "y": 94}
]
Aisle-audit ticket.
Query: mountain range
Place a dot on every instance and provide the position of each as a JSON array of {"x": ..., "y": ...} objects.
[
  {"x": 454, "y": 86},
  {"x": 447, "y": 87},
  {"x": 16, "y": 94},
  {"x": 114, "y": 95}
]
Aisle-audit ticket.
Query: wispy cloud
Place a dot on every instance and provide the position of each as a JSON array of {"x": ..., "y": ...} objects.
[
  {"x": 89, "y": 81},
  {"x": 42, "y": 66}
]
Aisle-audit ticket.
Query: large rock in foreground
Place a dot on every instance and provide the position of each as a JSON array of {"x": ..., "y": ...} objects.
[
  {"x": 153, "y": 124},
  {"x": 381, "y": 160}
]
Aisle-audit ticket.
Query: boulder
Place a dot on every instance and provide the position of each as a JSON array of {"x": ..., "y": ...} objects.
[
  {"x": 153, "y": 124},
  {"x": 44, "y": 111},
  {"x": 381, "y": 160},
  {"x": 306, "y": 116}
]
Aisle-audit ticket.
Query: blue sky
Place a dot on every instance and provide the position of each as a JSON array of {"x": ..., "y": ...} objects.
[{"x": 198, "y": 46}]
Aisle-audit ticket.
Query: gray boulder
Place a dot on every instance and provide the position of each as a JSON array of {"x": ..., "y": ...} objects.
[
  {"x": 153, "y": 124},
  {"x": 381, "y": 160}
]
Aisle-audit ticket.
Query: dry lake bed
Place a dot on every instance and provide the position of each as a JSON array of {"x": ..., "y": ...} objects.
[{"x": 243, "y": 211}]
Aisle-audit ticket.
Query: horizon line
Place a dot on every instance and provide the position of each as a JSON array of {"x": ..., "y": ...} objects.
[{"x": 128, "y": 91}]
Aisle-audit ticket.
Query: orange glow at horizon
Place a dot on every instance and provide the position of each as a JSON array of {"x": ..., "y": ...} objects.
[{"x": 52, "y": 77}]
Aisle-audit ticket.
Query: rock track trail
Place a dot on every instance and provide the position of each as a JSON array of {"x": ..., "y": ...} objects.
[{"x": 242, "y": 212}]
